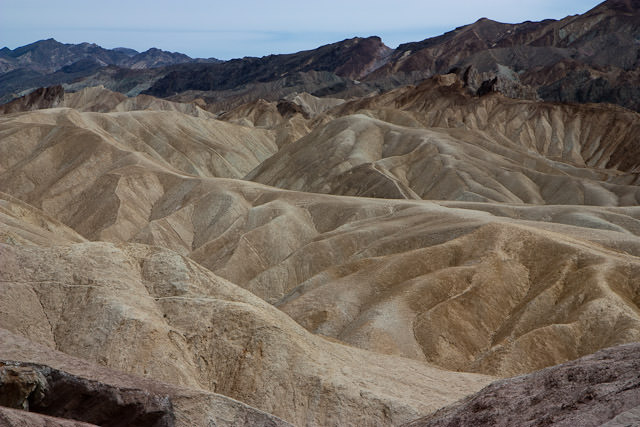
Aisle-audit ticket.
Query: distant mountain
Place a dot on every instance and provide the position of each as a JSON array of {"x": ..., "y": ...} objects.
[
  {"x": 352, "y": 59},
  {"x": 49, "y": 62},
  {"x": 594, "y": 57},
  {"x": 49, "y": 56}
]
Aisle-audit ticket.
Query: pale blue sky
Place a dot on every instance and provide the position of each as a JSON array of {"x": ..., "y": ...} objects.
[{"x": 227, "y": 29}]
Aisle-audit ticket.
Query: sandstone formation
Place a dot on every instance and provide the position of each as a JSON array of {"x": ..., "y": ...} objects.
[
  {"x": 405, "y": 281},
  {"x": 324, "y": 267}
]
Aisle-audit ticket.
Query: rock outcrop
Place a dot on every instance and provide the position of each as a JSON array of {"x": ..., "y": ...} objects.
[
  {"x": 601, "y": 389},
  {"x": 591, "y": 57},
  {"x": 49, "y": 97},
  {"x": 17, "y": 418},
  {"x": 47, "y": 391},
  {"x": 53, "y": 382}
]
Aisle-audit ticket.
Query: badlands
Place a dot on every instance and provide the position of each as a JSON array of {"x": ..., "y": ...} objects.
[{"x": 431, "y": 254}]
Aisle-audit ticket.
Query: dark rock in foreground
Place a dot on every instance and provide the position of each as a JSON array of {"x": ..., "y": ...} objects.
[
  {"x": 52, "y": 392},
  {"x": 601, "y": 388},
  {"x": 18, "y": 418}
]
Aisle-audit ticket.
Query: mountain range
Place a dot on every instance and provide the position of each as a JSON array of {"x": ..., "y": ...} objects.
[
  {"x": 51, "y": 62},
  {"x": 583, "y": 58},
  {"x": 352, "y": 235}
]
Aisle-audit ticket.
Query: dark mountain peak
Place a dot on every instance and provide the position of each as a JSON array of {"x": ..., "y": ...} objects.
[
  {"x": 154, "y": 57},
  {"x": 350, "y": 58},
  {"x": 46, "y": 42},
  {"x": 624, "y": 6},
  {"x": 154, "y": 51},
  {"x": 359, "y": 40},
  {"x": 352, "y": 44},
  {"x": 126, "y": 51},
  {"x": 38, "y": 45}
]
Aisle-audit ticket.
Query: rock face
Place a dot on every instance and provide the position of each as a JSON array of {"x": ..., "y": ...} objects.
[
  {"x": 16, "y": 418},
  {"x": 51, "y": 392},
  {"x": 601, "y": 389},
  {"x": 49, "y": 97}
]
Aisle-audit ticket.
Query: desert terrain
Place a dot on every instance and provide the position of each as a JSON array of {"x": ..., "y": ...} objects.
[{"x": 387, "y": 237}]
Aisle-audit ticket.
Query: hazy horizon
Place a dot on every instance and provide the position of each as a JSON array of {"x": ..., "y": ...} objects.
[{"x": 226, "y": 31}]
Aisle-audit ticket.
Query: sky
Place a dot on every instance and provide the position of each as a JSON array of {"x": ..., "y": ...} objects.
[{"x": 228, "y": 29}]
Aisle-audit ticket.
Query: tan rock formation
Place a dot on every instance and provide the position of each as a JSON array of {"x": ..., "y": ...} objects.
[
  {"x": 150, "y": 312},
  {"x": 438, "y": 142}
]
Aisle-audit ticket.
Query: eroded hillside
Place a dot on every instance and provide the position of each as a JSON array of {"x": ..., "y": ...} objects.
[{"x": 368, "y": 259}]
